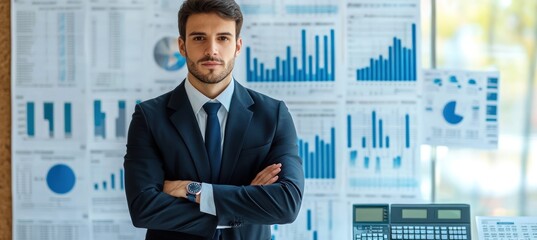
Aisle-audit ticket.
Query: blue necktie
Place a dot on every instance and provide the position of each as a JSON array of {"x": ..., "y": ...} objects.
[
  {"x": 213, "y": 139},
  {"x": 213, "y": 144}
]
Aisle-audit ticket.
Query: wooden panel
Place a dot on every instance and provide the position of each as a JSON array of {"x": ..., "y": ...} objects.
[{"x": 5, "y": 120}]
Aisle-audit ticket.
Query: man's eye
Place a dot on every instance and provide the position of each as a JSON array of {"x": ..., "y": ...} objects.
[
  {"x": 224, "y": 38},
  {"x": 197, "y": 38}
]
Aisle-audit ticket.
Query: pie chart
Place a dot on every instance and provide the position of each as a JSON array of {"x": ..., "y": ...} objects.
[
  {"x": 167, "y": 56},
  {"x": 61, "y": 179},
  {"x": 450, "y": 114}
]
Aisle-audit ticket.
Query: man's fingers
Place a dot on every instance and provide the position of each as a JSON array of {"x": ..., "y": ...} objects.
[{"x": 266, "y": 176}]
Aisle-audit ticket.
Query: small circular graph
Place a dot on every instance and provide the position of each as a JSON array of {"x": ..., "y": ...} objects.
[
  {"x": 450, "y": 115},
  {"x": 167, "y": 56},
  {"x": 61, "y": 179}
]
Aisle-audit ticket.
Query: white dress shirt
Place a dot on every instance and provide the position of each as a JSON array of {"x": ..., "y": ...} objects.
[{"x": 197, "y": 100}]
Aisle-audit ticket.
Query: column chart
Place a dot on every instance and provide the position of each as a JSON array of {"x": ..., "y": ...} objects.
[
  {"x": 55, "y": 118},
  {"x": 318, "y": 219},
  {"x": 319, "y": 144},
  {"x": 383, "y": 47},
  {"x": 111, "y": 119},
  {"x": 290, "y": 58},
  {"x": 382, "y": 149},
  {"x": 107, "y": 183}
]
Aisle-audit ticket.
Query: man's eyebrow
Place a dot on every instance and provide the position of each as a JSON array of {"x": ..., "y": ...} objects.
[
  {"x": 197, "y": 33},
  {"x": 204, "y": 34}
]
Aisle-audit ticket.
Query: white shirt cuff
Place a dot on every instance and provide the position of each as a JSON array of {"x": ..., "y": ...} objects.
[{"x": 207, "y": 199}]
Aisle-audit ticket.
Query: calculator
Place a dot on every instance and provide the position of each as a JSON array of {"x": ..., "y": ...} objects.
[
  {"x": 371, "y": 221},
  {"x": 411, "y": 221}
]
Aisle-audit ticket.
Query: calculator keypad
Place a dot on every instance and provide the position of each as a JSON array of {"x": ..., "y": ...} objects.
[
  {"x": 371, "y": 233},
  {"x": 411, "y": 232}
]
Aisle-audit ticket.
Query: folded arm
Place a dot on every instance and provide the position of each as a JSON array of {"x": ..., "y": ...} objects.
[{"x": 149, "y": 206}]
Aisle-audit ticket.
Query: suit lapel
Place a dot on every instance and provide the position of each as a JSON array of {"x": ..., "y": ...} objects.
[
  {"x": 185, "y": 122},
  {"x": 239, "y": 117}
]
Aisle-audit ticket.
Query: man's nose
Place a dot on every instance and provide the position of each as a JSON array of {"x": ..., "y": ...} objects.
[{"x": 211, "y": 48}]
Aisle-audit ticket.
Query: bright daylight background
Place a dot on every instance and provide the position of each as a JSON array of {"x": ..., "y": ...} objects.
[{"x": 488, "y": 35}]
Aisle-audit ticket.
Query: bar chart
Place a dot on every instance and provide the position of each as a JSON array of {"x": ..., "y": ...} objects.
[
  {"x": 399, "y": 65},
  {"x": 383, "y": 47},
  {"x": 110, "y": 118},
  {"x": 51, "y": 119},
  {"x": 287, "y": 57},
  {"x": 107, "y": 181},
  {"x": 382, "y": 147},
  {"x": 319, "y": 157},
  {"x": 115, "y": 182},
  {"x": 318, "y": 144},
  {"x": 48, "y": 116},
  {"x": 317, "y": 220},
  {"x": 316, "y": 67}
]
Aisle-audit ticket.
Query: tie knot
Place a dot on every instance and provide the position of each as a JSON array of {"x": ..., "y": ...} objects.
[{"x": 211, "y": 108}]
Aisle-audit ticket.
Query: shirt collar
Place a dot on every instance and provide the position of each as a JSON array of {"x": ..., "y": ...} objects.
[{"x": 197, "y": 99}]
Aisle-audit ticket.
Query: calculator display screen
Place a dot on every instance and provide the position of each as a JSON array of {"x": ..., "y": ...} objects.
[
  {"x": 369, "y": 214},
  {"x": 449, "y": 214},
  {"x": 414, "y": 213}
]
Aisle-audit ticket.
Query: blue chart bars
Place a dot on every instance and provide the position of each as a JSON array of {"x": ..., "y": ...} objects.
[
  {"x": 400, "y": 65},
  {"x": 379, "y": 140},
  {"x": 319, "y": 158},
  {"x": 100, "y": 119},
  {"x": 121, "y": 127},
  {"x": 30, "y": 119},
  {"x": 287, "y": 68},
  {"x": 68, "y": 119},
  {"x": 113, "y": 182},
  {"x": 48, "y": 115}
]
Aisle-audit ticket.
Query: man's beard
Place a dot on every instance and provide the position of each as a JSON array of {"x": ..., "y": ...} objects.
[{"x": 210, "y": 78}]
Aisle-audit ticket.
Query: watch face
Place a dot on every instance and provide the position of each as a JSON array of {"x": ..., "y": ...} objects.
[{"x": 193, "y": 188}]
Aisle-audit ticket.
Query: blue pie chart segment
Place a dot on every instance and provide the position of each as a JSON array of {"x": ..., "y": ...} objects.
[
  {"x": 61, "y": 179},
  {"x": 167, "y": 56},
  {"x": 450, "y": 114}
]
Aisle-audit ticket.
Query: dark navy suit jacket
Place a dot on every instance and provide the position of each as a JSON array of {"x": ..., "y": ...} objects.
[{"x": 165, "y": 143}]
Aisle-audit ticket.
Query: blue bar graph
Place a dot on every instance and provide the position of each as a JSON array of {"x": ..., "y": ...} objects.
[
  {"x": 68, "y": 128},
  {"x": 121, "y": 126},
  {"x": 287, "y": 68},
  {"x": 319, "y": 158},
  {"x": 397, "y": 162},
  {"x": 354, "y": 157},
  {"x": 99, "y": 119},
  {"x": 400, "y": 65},
  {"x": 112, "y": 182},
  {"x": 379, "y": 140},
  {"x": 407, "y": 131},
  {"x": 349, "y": 131},
  {"x": 48, "y": 114},
  {"x": 30, "y": 119},
  {"x": 308, "y": 220}
]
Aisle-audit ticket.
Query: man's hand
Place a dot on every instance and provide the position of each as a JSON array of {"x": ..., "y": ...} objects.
[
  {"x": 175, "y": 188},
  {"x": 267, "y": 176}
]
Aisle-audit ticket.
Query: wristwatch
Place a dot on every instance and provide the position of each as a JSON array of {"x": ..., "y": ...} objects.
[{"x": 192, "y": 190}]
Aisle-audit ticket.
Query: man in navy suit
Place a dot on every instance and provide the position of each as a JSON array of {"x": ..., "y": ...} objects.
[{"x": 212, "y": 159}]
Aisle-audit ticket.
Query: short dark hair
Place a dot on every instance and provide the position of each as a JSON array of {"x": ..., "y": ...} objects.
[{"x": 227, "y": 9}]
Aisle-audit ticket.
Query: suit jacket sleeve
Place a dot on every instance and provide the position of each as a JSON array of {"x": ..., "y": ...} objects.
[
  {"x": 144, "y": 177},
  {"x": 277, "y": 203}
]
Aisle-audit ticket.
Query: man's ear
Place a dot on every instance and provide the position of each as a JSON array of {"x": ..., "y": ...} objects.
[
  {"x": 238, "y": 46},
  {"x": 182, "y": 47}
]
